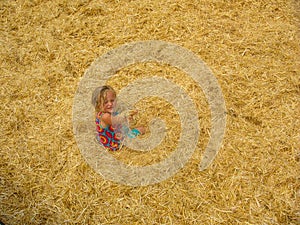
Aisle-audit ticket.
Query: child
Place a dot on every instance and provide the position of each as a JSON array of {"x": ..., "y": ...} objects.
[{"x": 103, "y": 100}]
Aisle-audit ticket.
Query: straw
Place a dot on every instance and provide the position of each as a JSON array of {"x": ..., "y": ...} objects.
[{"x": 252, "y": 48}]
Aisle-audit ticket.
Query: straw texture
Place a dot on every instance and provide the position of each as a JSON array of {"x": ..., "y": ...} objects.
[{"x": 252, "y": 47}]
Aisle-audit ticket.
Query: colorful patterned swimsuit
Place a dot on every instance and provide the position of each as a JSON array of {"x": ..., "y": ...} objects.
[{"x": 107, "y": 136}]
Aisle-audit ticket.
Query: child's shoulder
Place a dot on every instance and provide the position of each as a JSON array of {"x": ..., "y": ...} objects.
[
  {"x": 105, "y": 115},
  {"x": 101, "y": 114},
  {"x": 105, "y": 118}
]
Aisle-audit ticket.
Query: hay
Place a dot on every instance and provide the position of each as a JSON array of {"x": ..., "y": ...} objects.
[
  {"x": 157, "y": 107},
  {"x": 251, "y": 46}
]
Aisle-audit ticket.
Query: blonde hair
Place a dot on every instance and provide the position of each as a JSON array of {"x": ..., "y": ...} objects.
[{"x": 99, "y": 96}]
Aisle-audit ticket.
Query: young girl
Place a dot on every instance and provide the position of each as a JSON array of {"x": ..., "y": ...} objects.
[{"x": 103, "y": 100}]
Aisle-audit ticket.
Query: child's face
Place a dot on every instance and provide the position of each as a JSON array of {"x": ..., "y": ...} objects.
[{"x": 108, "y": 102}]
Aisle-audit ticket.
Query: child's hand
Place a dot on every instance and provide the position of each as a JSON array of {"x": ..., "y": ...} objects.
[{"x": 132, "y": 113}]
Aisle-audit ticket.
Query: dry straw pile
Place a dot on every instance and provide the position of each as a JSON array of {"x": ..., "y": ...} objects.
[{"x": 252, "y": 47}]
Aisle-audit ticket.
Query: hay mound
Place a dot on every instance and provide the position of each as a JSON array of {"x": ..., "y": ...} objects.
[{"x": 253, "y": 50}]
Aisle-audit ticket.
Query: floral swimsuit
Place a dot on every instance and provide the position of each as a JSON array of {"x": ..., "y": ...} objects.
[{"x": 107, "y": 136}]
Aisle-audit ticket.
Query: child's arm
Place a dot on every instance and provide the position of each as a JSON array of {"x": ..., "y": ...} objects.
[
  {"x": 131, "y": 114},
  {"x": 106, "y": 118}
]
